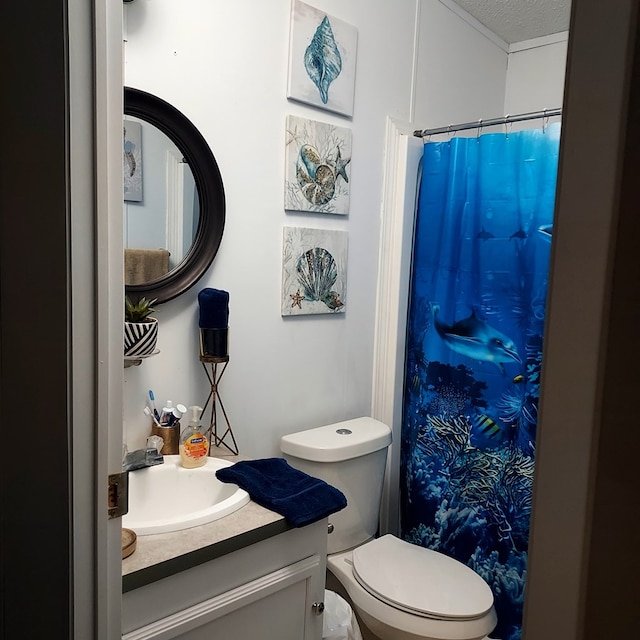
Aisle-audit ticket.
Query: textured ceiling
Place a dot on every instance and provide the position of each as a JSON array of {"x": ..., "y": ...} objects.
[{"x": 518, "y": 20}]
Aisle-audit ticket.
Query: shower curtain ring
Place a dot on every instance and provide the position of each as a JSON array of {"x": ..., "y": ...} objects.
[
  {"x": 545, "y": 121},
  {"x": 479, "y": 129},
  {"x": 507, "y": 126}
]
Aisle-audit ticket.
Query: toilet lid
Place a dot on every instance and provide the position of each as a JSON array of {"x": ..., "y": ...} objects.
[{"x": 420, "y": 581}]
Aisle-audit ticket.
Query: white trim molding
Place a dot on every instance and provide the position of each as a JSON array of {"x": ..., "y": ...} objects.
[
  {"x": 402, "y": 157},
  {"x": 542, "y": 41}
]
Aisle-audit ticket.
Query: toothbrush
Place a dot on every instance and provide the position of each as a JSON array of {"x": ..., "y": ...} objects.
[
  {"x": 153, "y": 405},
  {"x": 148, "y": 412}
]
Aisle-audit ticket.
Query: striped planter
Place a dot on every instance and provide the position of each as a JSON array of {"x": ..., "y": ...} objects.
[{"x": 140, "y": 337}]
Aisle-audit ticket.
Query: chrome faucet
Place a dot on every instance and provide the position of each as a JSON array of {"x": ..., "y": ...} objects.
[{"x": 143, "y": 458}]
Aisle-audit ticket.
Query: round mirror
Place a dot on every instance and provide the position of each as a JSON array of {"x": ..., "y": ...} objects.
[{"x": 174, "y": 204}]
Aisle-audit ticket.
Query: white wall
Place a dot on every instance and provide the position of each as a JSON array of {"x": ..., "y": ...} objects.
[
  {"x": 467, "y": 73},
  {"x": 461, "y": 68},
  {"x": 224, "y": 65},
  {"x": 535, "y": 75}
]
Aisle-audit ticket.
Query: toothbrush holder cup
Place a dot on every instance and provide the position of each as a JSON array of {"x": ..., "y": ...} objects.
[{"x": 170, "y": 434}]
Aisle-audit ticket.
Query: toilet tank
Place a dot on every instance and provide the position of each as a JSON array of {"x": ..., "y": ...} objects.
[{"x": 350, "y": 456}]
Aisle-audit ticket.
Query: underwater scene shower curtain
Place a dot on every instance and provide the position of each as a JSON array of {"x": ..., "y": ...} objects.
[{"x": 474, "y": 354}]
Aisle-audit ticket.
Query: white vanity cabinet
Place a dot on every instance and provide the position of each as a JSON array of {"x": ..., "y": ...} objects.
[{"x": 272, "y": 589}]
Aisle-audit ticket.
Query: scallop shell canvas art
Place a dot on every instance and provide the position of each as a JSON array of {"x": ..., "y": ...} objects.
[
  {"x": 314, "y": 271},
  {"x": 318, "y": 166},
  {"x": 322, "y": 59}
]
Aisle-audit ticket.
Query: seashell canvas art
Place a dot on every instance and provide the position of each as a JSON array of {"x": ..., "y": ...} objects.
[
  {"x": 314, "y": 271},
  {"x": 132, "y": 160},
  {"x": 322, "y": 59},
  {"x": 318, "y": 166}
]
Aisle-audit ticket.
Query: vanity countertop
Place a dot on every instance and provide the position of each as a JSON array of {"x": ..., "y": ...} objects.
[{"x": 164, "y": 554}]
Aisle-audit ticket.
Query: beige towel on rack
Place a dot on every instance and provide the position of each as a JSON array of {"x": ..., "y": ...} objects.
[{"x": 144, "y": 265}]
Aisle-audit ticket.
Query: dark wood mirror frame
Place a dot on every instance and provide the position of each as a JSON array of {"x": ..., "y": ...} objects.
[{"x": 208, "y": 181}]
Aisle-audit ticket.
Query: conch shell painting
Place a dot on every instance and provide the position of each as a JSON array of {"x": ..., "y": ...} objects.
[
  {"x": 314, "y": 271},
  {"x": 318, "y": 164},
  {"x": 322, "y": 59}
]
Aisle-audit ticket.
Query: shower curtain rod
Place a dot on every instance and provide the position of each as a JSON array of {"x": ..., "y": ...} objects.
[{"x": 479, "y": 124}]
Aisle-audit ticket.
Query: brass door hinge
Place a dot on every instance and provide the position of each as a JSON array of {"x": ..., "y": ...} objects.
[{"x": 118, "y": 494}]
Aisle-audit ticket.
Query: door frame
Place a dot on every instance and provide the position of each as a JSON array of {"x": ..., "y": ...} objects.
[
  {"x": 108, "y": 252},
  {"x": 60, "y": 319},
  {"x": 581, "y": 579}
]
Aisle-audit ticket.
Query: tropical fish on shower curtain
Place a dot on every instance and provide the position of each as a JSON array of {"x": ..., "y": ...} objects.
[{"x": 474, "y": 354}]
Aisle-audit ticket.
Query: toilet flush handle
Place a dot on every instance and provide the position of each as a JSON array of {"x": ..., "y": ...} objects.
[
  {"x": 318, "y": 608},
  {"x": 330, "y": 528}
]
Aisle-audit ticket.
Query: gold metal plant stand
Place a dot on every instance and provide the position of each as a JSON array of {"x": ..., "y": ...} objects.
[{"x": 214, "y": 397}]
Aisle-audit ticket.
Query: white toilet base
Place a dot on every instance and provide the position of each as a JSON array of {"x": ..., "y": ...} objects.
[{"x": 389, "y": 623}]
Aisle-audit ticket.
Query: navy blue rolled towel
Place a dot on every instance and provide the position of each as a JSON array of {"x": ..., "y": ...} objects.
[
  {"x": 274, "y": 484},
  {"x": 214, "y": 308}
]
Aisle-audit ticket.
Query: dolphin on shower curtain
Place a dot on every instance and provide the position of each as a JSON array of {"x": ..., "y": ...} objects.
[{"x": 476, "y": 339}]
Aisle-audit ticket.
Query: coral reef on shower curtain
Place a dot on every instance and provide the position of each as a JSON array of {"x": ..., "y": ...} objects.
[{"x": 474, "y": 354}]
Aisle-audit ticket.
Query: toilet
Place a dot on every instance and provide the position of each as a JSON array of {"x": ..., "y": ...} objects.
[{"x": 399, "y": 590}]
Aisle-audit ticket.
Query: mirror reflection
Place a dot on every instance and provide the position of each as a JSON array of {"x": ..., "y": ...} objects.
[
  {"x": 174, "y": 202},
  {"x": 161, "y": 203}
]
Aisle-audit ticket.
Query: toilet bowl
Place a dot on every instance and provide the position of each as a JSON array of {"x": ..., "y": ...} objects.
[
  {"x": 404, "y": 592},
  {"x": 399, "y": 590}
]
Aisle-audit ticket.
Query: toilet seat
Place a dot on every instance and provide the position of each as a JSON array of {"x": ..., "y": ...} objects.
[{"x": 394, "y": 571}]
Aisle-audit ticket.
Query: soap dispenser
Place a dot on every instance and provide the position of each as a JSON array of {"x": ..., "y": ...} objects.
[{"x": 193, "y": 443}]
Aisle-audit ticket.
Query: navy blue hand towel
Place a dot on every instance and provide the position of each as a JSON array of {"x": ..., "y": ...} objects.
[
  {"x": 214, "y": 308},
  {"x": 276, "y": 485}
]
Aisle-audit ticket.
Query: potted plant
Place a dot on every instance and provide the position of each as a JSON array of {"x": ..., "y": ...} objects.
[{"x": 140, "y": 328}]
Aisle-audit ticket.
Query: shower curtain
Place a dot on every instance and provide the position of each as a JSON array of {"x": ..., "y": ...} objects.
[{"x": 474, "y": 354}]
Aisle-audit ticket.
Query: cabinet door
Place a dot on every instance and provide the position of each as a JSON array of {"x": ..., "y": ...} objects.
[
  {"x": 277, "y": 606},
  {"x": 279, "y": 616}
]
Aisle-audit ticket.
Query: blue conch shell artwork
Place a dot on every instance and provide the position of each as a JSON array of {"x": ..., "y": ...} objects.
[
  {"x": 313, "y": 271},
  {"x": 322, "y": 59},
  {"x": 318, "y": 165}
]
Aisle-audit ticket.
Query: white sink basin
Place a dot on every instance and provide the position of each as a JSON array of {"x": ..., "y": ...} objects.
[{"x": 169, "y": 497}]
